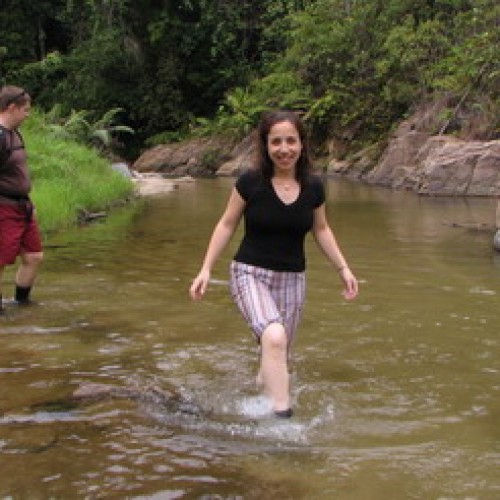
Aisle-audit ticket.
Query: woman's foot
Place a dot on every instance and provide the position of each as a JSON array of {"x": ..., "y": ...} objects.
[{"x": 283, "y": 413}]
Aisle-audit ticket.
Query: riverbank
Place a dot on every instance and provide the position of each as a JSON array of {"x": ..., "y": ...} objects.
[
  {"x": 414, "y": 158},
  {"x": 70, "y": 180}
]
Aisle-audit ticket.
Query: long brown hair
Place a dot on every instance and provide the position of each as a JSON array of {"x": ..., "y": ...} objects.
[
  {"x": 263, "y": 161},
  {"x": 10, "y": 94}
]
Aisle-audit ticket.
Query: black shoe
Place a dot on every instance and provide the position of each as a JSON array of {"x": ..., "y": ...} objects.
[
  {"x": 19, "y": 303},
  {"x": 25, "y": 303},
  {"x": 283, "y": 413}
]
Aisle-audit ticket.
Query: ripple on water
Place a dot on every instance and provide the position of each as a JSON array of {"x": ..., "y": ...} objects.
[
  {"x": 481, "y": 291},
  {"x": 34, "y": 330}
]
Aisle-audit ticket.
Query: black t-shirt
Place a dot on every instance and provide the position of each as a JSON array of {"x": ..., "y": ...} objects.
[{"x": 275, "y": 231}]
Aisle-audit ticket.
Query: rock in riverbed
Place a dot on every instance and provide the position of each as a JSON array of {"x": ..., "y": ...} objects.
[{"x": 168, "y": 400}]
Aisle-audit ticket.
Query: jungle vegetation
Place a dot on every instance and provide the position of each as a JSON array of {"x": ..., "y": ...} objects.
[{"x": 174, "y": 68}]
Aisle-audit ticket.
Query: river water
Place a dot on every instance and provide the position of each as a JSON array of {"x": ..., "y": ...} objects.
[{"x": 396, "y": 394}]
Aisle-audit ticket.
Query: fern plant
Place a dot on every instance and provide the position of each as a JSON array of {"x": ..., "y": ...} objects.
[{"x": 79, "y": 127}]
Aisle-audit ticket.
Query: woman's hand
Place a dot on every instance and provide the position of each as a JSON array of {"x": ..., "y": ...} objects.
[
  {"x": 199, "y": 285},
  {"x": 350, "y": 283}
]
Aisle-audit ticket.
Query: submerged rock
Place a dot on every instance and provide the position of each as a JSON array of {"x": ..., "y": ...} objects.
[
  {"x": 169, "y": 400},
  {"x": 496, "y": 240}
]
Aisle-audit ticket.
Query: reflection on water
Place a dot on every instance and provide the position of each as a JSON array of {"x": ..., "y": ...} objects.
[{"x": 396, "y": 394}]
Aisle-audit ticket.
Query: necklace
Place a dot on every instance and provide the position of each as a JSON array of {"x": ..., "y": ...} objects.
[{"x": 286, "y": 186}]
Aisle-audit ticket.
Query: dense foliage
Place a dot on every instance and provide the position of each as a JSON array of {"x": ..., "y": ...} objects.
[{"x": 354, "y": 67}]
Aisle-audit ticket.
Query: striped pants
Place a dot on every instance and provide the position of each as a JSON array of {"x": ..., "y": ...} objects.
[{"x": 264, "y": 297}]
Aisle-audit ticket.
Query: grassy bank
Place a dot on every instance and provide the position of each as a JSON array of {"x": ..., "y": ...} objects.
[{"x": 68, "y": 178}]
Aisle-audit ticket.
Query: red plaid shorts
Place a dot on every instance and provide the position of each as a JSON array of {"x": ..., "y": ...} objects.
[{"x": 18, "y": 233}]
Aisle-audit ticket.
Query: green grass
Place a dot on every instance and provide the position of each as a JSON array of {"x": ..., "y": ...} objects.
[{"x": 68, "y": 178}]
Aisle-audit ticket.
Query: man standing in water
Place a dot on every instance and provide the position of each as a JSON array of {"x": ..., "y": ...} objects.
[{"x": 19, "y": 232}]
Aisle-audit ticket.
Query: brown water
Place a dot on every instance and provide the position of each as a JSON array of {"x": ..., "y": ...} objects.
[{"x": 396, "y": 394}]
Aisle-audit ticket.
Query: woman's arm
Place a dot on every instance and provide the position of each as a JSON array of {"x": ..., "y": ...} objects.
[
  {"x": 221, "y": 236},
  {"x": 326, "y": 241}
]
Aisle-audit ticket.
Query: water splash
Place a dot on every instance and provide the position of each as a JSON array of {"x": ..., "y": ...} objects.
[{"x": 254, "y": 407}]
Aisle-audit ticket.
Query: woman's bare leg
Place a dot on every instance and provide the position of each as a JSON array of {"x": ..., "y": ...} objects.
[{"x": 273, "y": 369}]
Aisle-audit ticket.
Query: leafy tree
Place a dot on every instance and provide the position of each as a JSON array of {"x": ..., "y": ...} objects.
[
  {"x": 407, "y": 65},
  {"x": 368, "y": 62},
  {"x": 354, "y": 67}
]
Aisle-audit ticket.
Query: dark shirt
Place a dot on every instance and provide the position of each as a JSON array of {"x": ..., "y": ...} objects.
[
  {"x": 14, "y": 176},
  {"x": 275, "y": 231}
]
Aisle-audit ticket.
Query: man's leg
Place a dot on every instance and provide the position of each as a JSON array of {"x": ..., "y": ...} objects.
[{"x": 26, "y": 275}]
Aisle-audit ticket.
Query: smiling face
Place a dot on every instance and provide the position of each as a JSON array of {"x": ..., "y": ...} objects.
[{"x": 284, "y": 146}]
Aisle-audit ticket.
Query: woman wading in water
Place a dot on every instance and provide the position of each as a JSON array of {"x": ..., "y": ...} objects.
[{"x": 280, "y": 202}]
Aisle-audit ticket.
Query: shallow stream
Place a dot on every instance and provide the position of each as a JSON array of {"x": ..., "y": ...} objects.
[{"x": 397, "y": 394}]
